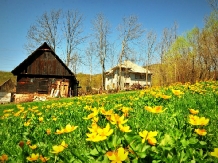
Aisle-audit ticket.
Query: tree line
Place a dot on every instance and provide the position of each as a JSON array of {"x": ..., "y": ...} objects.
[{"x": 186, "y": 58}]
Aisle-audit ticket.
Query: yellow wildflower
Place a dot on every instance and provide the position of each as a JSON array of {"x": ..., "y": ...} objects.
[
  {"x": 61, "y": 131},
  {"x": 3, "y": 158},
  {"x": 33, "y": 146},
  {"x": 40, "y": 119},
  {"x": 116, "y": 119},
  {"x": 214, "y": 153},
  {"x": 165, "y": 97},
  {"x": 148, "y": 136},
  {"x": 48, "y": 131},
  {"x": 195, "y": 120},
  {"x": 125, "y": 110},
  {"x": 64, "y": 144},
  {"x": 177, "y": 92},
  {"x": 201, "y": 132},
  {"x": 156, "y": 109},
  {"x": 54, "y": 118},
  {"x": 124, "y": 128},
  {"x": 70, "y": 128},
  {"x": 28, "y": 142},
  {"x": 108, "y": 112},
  {"x": 99, "y": 134},
  {"x": 27, "y": 123},
  {"x": 93, "y": 114},
  {"x": 193, "y": 111},
  {"x": 33, "y": 157},
  {"x": 43, "y": 159},
  {"x": 117, "y": 156},
  {"x": 59, "y": 148}
]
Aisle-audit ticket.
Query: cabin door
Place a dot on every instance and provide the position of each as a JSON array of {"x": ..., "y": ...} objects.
[{"x": 43, "y": 87}]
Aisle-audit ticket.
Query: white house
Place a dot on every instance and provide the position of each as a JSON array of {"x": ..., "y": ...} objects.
[{"x": 131, "y": 75}]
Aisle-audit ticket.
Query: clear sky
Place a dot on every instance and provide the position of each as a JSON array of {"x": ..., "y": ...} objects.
[{"x": 16, "y": 16}]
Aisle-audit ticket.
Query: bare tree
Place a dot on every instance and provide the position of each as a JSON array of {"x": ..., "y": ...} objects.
[
  {"x": 73, "y": 35},
  {"x": 101, "y": 28},
  {"x": 130, "y": 30},
  {"x": 150, "y": 48},
  {"x": 90, "y": 53},
  {"x": 45, "y": 29},
  {"x": 213, "y": 4}
]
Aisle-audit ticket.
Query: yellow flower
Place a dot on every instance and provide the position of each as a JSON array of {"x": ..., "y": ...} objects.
[
  {"x": 95, "y": 119},
  {"x": 48, "y": 131},
  {"x": 54, "y": 118},
  {"x": 116, "y": 119},
  {"x": 117, "y": 156},
  {"x": 95, "y": 137},
  {"x": 28, "y": 142},
  {"x": 57, "y": 149},
  {"x": 64, "y": 144},
  {"x": 60, "y": 131},
  {"x": 124, "y": 128},
  {"x": 177, "y": 92},
  {"x": 93, "y": 114},
  {"x": 33, "y": 146},
  {"x": 40, "y": 119},
  {"x": 214, "y": 153},
  {"x": 105, "y": 131},
  {"x": 148, "y": 136},
  {"x": 192, "y": 111},
  {"x": 125, "y": 110},
  {"x": 43, "y": 159},
  {"x": 27, "y": 123},
  {"x": 165, "y": 97},
  {"x": 69, "y": 128},
  {"x": 3, "y": 158},
  {"x": 201, "y": 132},
  {"x": 152, "y": 141},
  {"x": 156, "y": 109},
  {"x": 33, "y": 157},
  {"x": 104, "y": 112},
  {"x": 98, "y": 134},
  {"x": 195, "y": 120}
]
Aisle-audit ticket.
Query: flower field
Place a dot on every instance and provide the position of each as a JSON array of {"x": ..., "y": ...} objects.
[{"x": 178, "y": 123}]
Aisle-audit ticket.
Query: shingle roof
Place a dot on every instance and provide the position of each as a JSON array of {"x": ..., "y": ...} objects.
[{"x": 132, "y": 67}]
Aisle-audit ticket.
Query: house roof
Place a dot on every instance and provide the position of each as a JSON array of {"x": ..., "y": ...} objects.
[
  {"x": 34, "y": 55},
  {"x": 132, "y": 67}
]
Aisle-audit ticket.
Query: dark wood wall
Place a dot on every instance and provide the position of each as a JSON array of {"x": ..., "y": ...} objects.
[
  {"x": 7, "y": 86},
  {"x": 42, "y": 85},
  {"x": 45, "y": 64}
]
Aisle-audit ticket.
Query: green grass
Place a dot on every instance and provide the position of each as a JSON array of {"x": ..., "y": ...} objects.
[{"x": 177, "y": 140}]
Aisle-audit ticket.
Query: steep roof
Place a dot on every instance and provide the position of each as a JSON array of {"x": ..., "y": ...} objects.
[
  {"x": 132, "y": 67},
  {"x": 34, "y": 55}
]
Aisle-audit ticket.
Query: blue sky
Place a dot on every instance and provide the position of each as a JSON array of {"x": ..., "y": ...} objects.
[{"x": 16, "y": 16}]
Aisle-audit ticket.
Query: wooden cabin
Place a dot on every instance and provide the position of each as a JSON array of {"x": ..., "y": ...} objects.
[{"x": 43, "y": 72}]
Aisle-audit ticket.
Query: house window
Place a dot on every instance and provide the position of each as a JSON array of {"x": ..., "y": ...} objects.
[{"x": 139, "y": 76}]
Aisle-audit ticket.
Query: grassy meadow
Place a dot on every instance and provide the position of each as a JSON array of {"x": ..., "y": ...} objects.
[{"x": 159, "y": 124}]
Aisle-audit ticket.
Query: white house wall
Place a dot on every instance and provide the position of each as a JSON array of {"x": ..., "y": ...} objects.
[{"x": 112, "y": 82}]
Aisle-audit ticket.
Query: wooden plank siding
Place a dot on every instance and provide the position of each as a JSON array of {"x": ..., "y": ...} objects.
[{"x": 42, "y": 71}]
